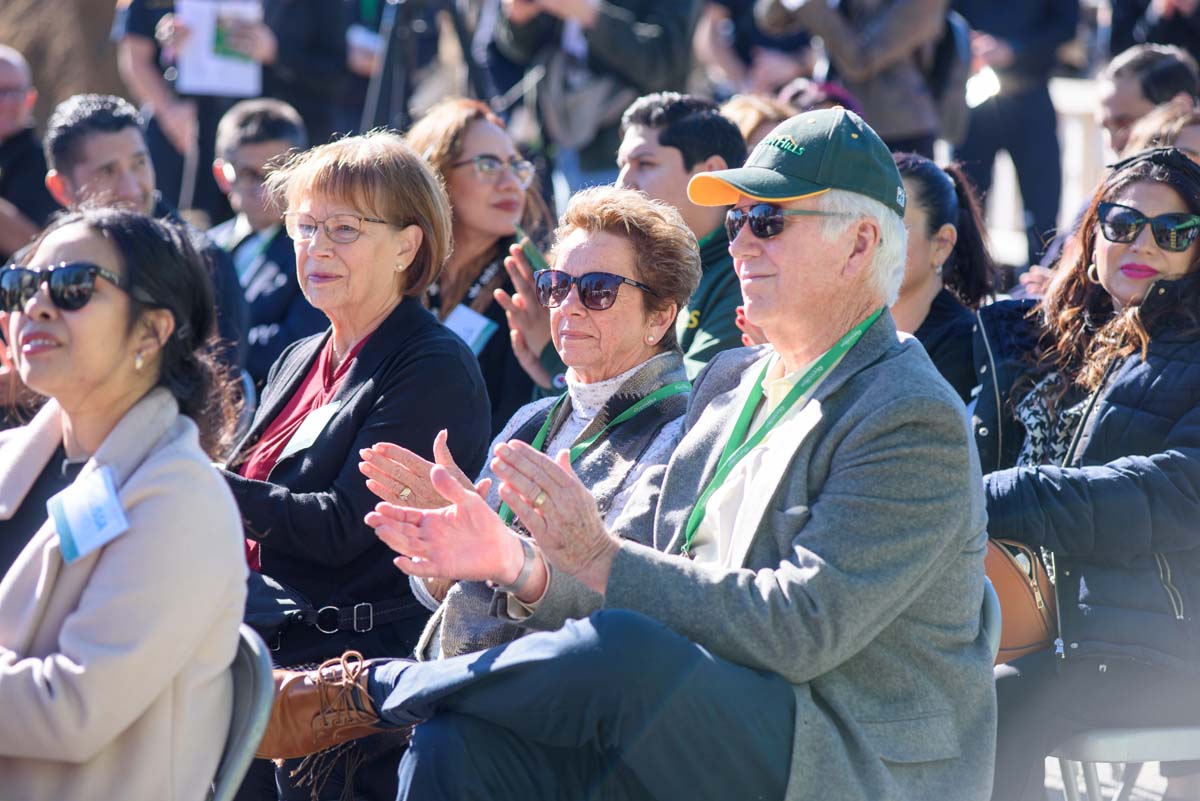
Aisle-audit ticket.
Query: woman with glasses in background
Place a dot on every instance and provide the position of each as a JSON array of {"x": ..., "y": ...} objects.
[
  {"x": 371, "y": 227},
  {"x": 624, "y": 265},
  {"x": 1104, "y": 421},
  {"x": 119, "y": 618},
  {"x": 492, "y": 190}
]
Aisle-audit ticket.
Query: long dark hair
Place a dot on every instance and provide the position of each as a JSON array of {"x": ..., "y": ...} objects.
[
  {"x": 946, "y": 195},
  {"x": 164, "y": 271},
  {"x": 1083, "y": 331}
]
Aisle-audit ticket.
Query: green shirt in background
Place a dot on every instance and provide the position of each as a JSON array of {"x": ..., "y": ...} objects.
[{"x": 708, "y": 325}]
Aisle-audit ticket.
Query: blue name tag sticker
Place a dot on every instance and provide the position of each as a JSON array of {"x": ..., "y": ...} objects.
[{"x": 87, "y": 514}]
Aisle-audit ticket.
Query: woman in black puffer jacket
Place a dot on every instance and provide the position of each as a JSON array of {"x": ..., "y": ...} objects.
[{"x": 1107, "y": 475}]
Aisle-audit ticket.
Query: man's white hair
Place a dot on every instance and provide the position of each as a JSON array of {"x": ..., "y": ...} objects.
[
  {"x": 887, "y": 267},
  {"x": 10, "y": 55}
]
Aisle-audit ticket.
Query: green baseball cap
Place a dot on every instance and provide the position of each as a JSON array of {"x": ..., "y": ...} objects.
[{"x": 804, "y": 156}]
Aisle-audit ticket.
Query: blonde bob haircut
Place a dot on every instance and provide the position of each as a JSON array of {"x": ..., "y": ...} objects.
[
  {"x": 667, "y": 256},
  {"x": 377, "y": 175}
]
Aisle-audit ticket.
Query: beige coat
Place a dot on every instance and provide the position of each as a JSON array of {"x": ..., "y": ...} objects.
[{"x": 113, "y": 669}]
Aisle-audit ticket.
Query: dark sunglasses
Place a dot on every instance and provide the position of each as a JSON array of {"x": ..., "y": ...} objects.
[
  {"x": 766, "y": 219},
  {"x": 71, "y": 284},
  {"x": 1173, "y": 232},
  {"x": 597, "y": 291}
]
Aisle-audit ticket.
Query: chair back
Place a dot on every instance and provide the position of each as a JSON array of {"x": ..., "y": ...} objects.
[
  {"x": 989, "y": 617},
  {"x": 253, "y": 694}
]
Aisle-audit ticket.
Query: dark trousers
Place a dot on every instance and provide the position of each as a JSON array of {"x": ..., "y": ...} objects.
[
  {"x": 1024, "y": 125},
  {"x": 613, "y": 707},
  {"x": 1043, "y": 701}
]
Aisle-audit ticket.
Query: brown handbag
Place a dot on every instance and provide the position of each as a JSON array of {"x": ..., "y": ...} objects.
[{"x": 1027, "y": 611}]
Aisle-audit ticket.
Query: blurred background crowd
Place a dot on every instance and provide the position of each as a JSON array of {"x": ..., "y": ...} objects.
[{"x": 1038, "y": 100}]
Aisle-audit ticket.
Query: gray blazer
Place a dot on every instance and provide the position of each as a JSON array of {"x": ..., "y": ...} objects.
[{"x": 862, "y": 583}]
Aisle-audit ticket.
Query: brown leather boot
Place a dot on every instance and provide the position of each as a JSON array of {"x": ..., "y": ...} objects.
[{"x": 319, "y": 709}]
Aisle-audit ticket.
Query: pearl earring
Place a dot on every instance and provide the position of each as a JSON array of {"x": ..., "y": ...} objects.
[{"x": 139, "y": 361}]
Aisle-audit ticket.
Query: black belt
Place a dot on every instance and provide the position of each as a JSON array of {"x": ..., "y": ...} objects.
[{"x": 362, "y": 617}]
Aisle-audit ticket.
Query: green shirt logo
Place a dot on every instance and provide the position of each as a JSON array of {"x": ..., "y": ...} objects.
[{"x": 785, "y": 143}]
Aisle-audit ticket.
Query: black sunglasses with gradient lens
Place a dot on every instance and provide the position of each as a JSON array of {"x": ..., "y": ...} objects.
[
  {"x": 766, "y": 219},
  {"x": 597, "y": 291},
  {"x": 1173, "y": 232},
  {"x": 71, "y": 284}
]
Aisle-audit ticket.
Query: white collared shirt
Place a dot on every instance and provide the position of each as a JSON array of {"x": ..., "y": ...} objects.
[{"x": 730, "y": 503}]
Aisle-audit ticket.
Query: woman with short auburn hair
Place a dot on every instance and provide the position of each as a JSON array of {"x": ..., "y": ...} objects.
[
  {"x": 371, "y": 227},
  {"x": 624, "y": 265}
]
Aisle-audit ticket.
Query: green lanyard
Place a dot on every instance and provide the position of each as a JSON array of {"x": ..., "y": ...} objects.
[
  {"x": 738, "y": 446},
  {"x": 578, "y": 449}
]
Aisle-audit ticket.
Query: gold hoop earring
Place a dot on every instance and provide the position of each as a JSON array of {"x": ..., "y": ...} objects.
[
  {"x": 139, "y": 361},
  {"x": 1093, "y": 273}
]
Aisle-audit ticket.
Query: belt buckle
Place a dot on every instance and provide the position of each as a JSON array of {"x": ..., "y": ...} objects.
[
  {"x": 317, "y": 622},
  {"x": 370, "y": 614}
]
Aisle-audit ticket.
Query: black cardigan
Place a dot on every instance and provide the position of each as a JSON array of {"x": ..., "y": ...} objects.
[{"x": 411, "y": 379}]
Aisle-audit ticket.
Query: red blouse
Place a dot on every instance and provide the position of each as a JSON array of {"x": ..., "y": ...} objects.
[{"x": 316, "y": 390}]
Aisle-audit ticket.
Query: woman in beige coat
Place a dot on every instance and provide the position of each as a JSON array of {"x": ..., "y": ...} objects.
[{"x": 119, "y": 619}]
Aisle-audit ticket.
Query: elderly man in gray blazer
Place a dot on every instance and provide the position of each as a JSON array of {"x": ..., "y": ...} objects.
[{"x": 790, "y": 609}]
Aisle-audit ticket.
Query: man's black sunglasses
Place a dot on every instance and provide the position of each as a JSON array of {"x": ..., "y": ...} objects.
[
  {"x": 71, "y": 284},
  {"x": 597, "y": 291},
  {"x": 766, "y": 219},
  {"x": 1173, "y": 232}
]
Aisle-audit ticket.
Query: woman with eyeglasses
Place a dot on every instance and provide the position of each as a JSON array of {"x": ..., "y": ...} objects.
[
  {"x": 371, "y": 228},
  {"x": 1106, "y": 411},
  {"x": 492, "y": 190},
  {"x": 624, "y": 265},
  {"x": 119, "y": 617}
]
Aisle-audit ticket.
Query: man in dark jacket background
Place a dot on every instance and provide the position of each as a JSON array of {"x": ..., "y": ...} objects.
[
  {"x": 637, "y": 46},
  {"x": 1018, "y": 41},
  {"x": 25, "y": 205},
  {"x": 97, "y": 155}
]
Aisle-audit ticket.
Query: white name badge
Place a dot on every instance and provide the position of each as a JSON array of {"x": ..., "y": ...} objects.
[
  {"x": 314, "y": 423},
  {"x": 87, "y": 514},
  {"x": 471, "y": 327}
]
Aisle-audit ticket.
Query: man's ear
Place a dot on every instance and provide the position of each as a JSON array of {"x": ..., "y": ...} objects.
[
  {"x": 1183, "y": 101},
  {"x": 710, "y": 164},
  {"x": 59, "y": 189},
  {"x": 218, "y": 170},
  {"x": 864, "y": 242}
]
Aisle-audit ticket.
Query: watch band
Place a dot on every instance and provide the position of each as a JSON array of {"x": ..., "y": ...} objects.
[{"x": 526, "y": 569}]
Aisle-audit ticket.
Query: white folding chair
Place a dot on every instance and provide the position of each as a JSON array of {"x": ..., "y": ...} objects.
[{"x": 1129, "y": 746}]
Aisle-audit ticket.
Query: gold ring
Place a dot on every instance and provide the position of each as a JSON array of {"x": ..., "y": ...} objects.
[
  {"x": 540, "y": 500},
  {"x": 405, "y": 492}
]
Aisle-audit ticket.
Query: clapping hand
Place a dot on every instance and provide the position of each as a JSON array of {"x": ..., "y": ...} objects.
[
  {"x": 399, "y": 476},
  {"x": 528, "y": 320},
  {"x": 465, "y": 541},
  {"x": 557, "y": 510}
]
